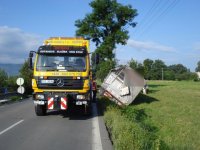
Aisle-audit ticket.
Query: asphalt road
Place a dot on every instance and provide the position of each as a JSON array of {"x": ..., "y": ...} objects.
[{"x": 21, "y": 129}]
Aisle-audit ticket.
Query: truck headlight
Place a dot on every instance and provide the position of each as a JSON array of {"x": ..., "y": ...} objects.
[
  {"x": 39, "y": 96},
  {"x": 80, "y": 97}
]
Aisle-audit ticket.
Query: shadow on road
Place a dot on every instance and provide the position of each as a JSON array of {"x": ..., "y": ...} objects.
[{"x": 74, "y": 113}]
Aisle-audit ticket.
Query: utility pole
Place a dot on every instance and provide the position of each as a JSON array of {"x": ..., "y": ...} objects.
[{"x": 162, "y": 74}]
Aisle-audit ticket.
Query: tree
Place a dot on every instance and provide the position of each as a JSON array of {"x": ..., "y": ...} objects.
[
  {"x": 180, "y": 72},
  {"x": 183, "y": 76},
  {"x": 107, "y": 26},
  {"x": 178, "y": 68},
  {"x": 147, "y": 63},
  {"x": 3, "y": 78},
  {"x": 193, "y": 76},
  {"x": 104, "y": 68},
  {"x": 169, "y": 75},
  {"x": 198, "y": 67},
  {"x": 136, "y": 66},
  {"x": 12, "y": 85},
  {"x": 133, "y": 64},
  {"x": 156, "y": 71},
  {"x": 27, "y": 74}
]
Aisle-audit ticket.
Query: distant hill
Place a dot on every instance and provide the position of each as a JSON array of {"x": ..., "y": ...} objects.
[{"x": 11, "y": 69}]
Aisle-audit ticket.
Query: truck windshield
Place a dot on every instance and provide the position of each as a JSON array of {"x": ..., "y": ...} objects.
[{"x": 61, "y": 63}]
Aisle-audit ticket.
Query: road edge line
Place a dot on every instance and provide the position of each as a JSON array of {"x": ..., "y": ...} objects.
[{"x": 96, "y": 137}]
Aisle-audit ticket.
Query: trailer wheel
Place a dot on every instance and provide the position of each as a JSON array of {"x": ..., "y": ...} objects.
[{"x": 40, "y": 110}]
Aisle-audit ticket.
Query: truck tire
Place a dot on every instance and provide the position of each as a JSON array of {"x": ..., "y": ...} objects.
[{"x": 40, "y": 110}]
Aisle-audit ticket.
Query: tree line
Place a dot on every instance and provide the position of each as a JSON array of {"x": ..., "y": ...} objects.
[{"x": 158, "y": 70}]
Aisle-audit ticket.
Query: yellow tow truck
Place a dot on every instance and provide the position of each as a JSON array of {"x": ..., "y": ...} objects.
[{"x": 61, "y": 75}]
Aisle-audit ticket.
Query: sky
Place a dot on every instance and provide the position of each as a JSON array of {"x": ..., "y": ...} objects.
[{"x": 166, "y": 29}]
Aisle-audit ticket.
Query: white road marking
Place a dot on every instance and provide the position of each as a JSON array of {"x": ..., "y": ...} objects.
[
  {"x": 96, "y": 144},
  {"x": 12, "y": 126},
  {"x": 4, "y": 100}
]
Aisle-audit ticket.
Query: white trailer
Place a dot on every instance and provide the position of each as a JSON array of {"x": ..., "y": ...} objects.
[{"x": 122, "y": 85}]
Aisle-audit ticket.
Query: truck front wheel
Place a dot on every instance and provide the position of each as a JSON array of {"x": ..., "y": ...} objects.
[{"x": 40, "y": 110}]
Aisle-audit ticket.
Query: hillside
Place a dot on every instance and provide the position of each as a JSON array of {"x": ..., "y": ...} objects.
[{"x": 11, "y": 69}]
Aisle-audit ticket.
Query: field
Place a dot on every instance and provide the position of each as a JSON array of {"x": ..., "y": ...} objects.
[{"x": 167, "y": 118}]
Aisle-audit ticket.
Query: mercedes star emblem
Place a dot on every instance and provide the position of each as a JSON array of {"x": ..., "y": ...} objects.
[{"x": 60, "y": 82}]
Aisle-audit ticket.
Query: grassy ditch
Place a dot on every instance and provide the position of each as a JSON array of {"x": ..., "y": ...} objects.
[
  {"x": 166, "y": 118},
  {"x": 130, "y": 128}
]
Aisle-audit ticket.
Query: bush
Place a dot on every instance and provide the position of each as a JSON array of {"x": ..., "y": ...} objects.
[
  {"x": 15, "y": 98},
  {"x": 193, "y": 76}
]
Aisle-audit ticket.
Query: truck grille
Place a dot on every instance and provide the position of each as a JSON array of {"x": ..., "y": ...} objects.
[{"x": 67, "y": 83}]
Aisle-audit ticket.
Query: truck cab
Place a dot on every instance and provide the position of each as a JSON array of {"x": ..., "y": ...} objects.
[{"x": 61, "y": 75}]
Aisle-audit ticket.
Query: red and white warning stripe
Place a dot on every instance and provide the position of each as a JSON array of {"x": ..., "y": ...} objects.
[
  {"x": 50, "y": 103},
  {"x": 63, "y": 103}
]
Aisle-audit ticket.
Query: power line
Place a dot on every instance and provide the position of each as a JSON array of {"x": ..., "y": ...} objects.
[
  {"x": 159, "y": 16},
  {"x": 154, "y": 6},
  {"x": 156, "y": 12},
  {"x": 149, "y": 12}
]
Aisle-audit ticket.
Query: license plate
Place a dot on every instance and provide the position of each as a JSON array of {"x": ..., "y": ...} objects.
[
  {"x": 39, "y": 102},
  {"x": 47, "y": 81},
  {"x": 79, "y": 103}
]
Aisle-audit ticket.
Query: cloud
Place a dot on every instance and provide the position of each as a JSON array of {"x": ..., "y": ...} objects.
[
  {"x": 16, "y": 44},
  {"x": 152, "y": 46}
]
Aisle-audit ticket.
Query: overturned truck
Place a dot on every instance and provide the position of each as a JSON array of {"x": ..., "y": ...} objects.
[{"x": 122, "y": 85}]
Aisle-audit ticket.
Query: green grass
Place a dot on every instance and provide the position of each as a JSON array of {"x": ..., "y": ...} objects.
[
  {"x": 166, "y": 118},
  {"x": 15, "y": 98},
  {"x": 18, "y": 97}
]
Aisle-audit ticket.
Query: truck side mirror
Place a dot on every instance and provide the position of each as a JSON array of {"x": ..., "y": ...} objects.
[
  {"x": 31, "y": 54},
  {"x": 30, "y": 61}
]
